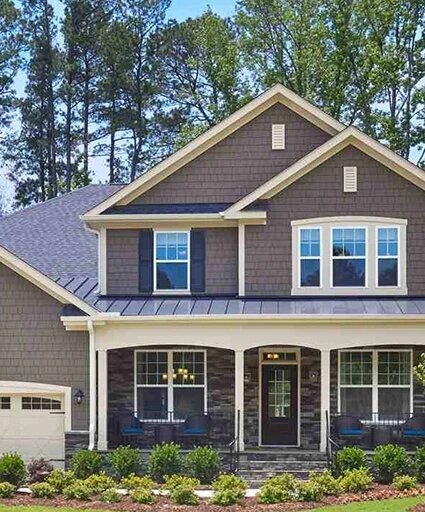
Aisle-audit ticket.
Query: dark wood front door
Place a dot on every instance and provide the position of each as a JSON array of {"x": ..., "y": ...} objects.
[{"x": 279, "y": 407}]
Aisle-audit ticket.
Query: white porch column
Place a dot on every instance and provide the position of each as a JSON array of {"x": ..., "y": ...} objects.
[
  {"x": 325, "y": 403},
  {"x": 239, "y": 396},
  {"x": 92, "y": 385},
  {"x": 102, "y": 385}
]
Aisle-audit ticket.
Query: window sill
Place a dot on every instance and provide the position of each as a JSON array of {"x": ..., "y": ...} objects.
[
  {"x": 172, "y": 292},
  {"x": 359, "y": 292}
]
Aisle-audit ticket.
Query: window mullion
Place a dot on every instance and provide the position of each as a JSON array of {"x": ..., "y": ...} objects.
[
  {"x": 170, "y": 396},
  {"x": 375, "y": 394}
]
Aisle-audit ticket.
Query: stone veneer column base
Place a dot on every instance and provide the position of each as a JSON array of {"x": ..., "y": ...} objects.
[{"x": 74, "y": 441}]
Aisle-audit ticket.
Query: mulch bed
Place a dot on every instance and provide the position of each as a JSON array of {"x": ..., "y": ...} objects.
[{"x": 377, "y": 492}]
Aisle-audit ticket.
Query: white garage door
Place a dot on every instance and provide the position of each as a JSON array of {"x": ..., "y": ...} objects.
[{"x": 33, "y": 425}]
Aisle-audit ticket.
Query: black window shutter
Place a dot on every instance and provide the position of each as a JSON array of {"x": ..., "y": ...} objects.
[
  {"x": 146, "y": 261},
  {"x": 197, "y": 261}
]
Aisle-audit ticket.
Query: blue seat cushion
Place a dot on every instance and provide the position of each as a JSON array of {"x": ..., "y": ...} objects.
[
  {"x": 351, "y": 432},
  {"x": 132, "y": 430},
  {"x": 414, "y": 432},
  {"x": 195, "y": 431}
]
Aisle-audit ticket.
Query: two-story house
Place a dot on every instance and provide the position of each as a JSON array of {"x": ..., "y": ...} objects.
[{"x": 268, "y": 274}]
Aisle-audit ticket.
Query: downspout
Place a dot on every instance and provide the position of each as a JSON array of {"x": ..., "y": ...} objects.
[
  {"x": 92, "y": 385},
  {"x": 99, "y": 277}
]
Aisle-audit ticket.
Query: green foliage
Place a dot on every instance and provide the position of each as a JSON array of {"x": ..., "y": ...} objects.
[
  {"x": 310, "y": 491},
  {"x": 202, "y": 463},
  {"x": 42, "y": 490},
  {"x": 389, "y": 461},
  {"x": 12, "y": 469},
  {"x": 173, "y": 481},
  {"x": 184, "y": 495},
  {"x": 133, "y": 482},
  {"x": 39, "y": 470},
  {"x": 86, "y": 463},
  {"x": 59, "y": 479},
  {"x": 229, "y": 490},
  {"x": 110, "y": 496},
  {"x": 165, "y": 459},
  {"x": 143, "y": 496},
  {"x": 99, "y": 483},
  {"x": 356, "y": 480},
  {"x": 77, "y": 491},
  {"x": 419, "y": 463},
  {"x": 125, "y": 461},
  {"x": 419, "y": 371},
  {"x": 329, "y": 485},
  {"x": 405, "y": 483},
  {"x": 7, "y": 490},
  {"x": 349, "y": 458},
  {"x": 279, "y": 489}
]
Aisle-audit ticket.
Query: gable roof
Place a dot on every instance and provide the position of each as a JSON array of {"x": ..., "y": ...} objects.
[
  {"x": 51, "y": 237},
  {"x": 276, "y": 94},
  {"x": 349, "y": 137}
]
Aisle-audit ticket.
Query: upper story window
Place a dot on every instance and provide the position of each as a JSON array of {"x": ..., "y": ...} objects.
[
  {"x": 171, "y": 261},
  {"x": 349, "y": 255}
]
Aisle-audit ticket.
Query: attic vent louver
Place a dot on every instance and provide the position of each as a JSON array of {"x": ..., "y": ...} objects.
[
  {"x": 350, "y": 179},
  {"x": 278, "y": 136}
]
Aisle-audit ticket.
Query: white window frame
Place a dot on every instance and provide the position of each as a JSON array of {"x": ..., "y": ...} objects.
[
  {"x": 170, "y": 384},
  {"x": 332, "y": 258},
  {"x": 327, "y": 224},
  {"x": 375, "y": 386},
  {"x": 156, "y": 261},
  {"x": 301, "y": 258},
  {"x": 388, "y": 257}
]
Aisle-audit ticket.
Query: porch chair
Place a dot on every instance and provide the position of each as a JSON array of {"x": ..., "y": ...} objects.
[
  {"x": 196, "y": 426},
  {"x": 413, "y": 429},
  {"x": 129, "y": 427},
  {"x": 349, "y": 430}
]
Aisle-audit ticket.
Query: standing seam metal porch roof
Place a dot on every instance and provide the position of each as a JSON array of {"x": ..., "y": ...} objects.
[{"x": 85, "y": 288}]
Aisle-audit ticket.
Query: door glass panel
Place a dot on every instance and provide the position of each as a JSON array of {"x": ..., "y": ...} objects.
[{"x": 279, "y": 393}]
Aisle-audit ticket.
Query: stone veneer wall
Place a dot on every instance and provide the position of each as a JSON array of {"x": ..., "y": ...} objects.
[
  {"x": 220, "y": 390},
  {"x": 74, "y": 441},
  {"x": 309, "y": 400}
]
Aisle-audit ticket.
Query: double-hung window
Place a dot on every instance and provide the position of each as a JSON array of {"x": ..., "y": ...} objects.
[
  {"x": 375, "y": 384},
  {"x": 171, "y": 270},
  {"x": 170, "y": 384},
  {"x": 348, "y": 257},
  {"x": 310, "y": 257},
  {"x": 387, "y": 256}
]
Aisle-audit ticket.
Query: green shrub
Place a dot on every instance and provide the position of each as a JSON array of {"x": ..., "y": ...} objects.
[
  {"x": 227, "y": 497},
  {"x": 110, "y": 496},
  {"x": 143, "y": 496},
  {"x": 405, "y": 483},
  {"x": 7, "y": 490},
  {"x": 349, "y": 458},
  {"x": 288, "y": 485},
  {"x": 99, "y": 483},
  {"x": 310, "y": 491},
  {"x": 77, "y": 491},
  {"x": 229, "y": 490},
  {"x": 86, "y": 463},
  {"x": 12, "y": 469},
  {"x": 228, "y": 481},
  {"x": 39, "y": 470},
  {"x": 125, "y": 461},
  {"x": 184, "y": 495},
  {"x": 171, "y": 482},
  {"x": 356, "y": 480},
  {"x": 419, "y": 463},
  {"x": 133, "y": 482},
  {"x": 42, "y": 490},
  {"x": 59, "y": 479},
  {"x": 165, "y": 459},
  {"x": 203, "y": 463},
  {"x": 329, "y": 485},
  {"x": 389, "y": 461},
  {"x": 271, "y": 493}
]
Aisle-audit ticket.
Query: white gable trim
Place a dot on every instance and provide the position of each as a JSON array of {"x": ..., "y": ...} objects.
[
  {"x": 43, "y": 282},
  {"x": 276, "y": 94},
  {"x": 350, "y": 136}
]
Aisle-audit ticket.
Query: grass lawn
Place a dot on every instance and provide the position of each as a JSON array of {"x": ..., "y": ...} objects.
[{"x": 400, "y": 505}]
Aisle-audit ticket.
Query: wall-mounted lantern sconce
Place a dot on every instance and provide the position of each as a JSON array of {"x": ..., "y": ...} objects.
[{"x": 78, "y": 397}]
